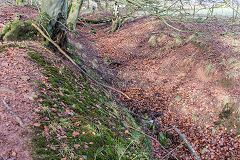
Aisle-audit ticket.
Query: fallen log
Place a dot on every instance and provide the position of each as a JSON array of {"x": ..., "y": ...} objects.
[
  {"x": 183, "y": 138},
  {"x": 95, "y": 21}
]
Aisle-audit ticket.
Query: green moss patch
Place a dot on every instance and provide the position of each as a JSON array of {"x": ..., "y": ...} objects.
[
  {"x": 18, "y": 30},
  {"x": 79, "y": 121},
  {"x": 22, "y": 30}
]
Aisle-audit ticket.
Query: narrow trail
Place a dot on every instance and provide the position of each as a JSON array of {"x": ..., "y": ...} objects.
[
  {"x": 17, "y": 93},
  {"x": 17, "y": 106}
]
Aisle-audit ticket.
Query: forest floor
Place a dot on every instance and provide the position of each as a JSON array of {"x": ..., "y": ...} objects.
[
  {"x": 193, "y": 80},
  {"x": 50, "y": 110},
  {"x": 17, "y": 93}
]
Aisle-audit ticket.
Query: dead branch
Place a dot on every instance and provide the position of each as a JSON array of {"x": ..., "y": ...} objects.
[
  {"x": 172, "y": 151},
  {"x": 73, "y": 62},
  {"x": 151, "y": 138},
  {"x": 183, "y": 138},
  {"x": 94, "y": 21}
]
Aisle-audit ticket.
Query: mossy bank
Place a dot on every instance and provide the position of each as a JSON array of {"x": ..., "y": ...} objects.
[{"x": 79, "y": 121}]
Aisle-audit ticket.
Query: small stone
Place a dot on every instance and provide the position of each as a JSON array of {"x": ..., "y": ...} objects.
[
  {"x": 25, "y": 78},
  {"x": 204, "y": 150},
  {"x": 37, "y": 124},
  {"x": 72, "y": 155},
  {"x": 76, "y": 146},
  {"x": 70, "y": 113},
  {"x": 31, "y": 95},
  {"x": 178, "y": 98},
  {"x": 152, "y": 40},
  {"x": 5, "y": 64},
  {"x": 84, "y": 156},
  {"x": 2, "y": 89},
  {"x": 74, "y": 134},
  {"x": 13, "y": 154},
  {"x": 85, "y": 146},
  {"x": 52, "y": 148},
  {"x": 79, "y": 46}
]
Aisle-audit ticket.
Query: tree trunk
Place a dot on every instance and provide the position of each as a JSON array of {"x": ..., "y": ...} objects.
[
  {"x": 99, "y": 5},
  {"x": 19, "y": 2},
  {"x": 74, "y": 13},
  {"x": 57, "y": 10},
  {"x": 106, "y": 5},
  {"x": 116, "y": 21}
]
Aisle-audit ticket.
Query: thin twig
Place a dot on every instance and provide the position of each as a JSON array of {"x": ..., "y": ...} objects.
[
  {"x": 151, "y": 138},
  {"x": 163, "y": 20},
  {"x": 73, "y": 62},
  {"x": 172, "y": 151},
  {"x": 126, "y": 149},
  {"x": 61, "y": 150}
]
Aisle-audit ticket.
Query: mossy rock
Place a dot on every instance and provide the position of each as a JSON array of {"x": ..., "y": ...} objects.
[
  {"x": 18, "y": 30},
  {"x": 22, "y": 30},
  {"x": 153, "y": 41}
]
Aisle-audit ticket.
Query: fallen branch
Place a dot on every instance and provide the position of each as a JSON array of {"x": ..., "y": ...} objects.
[
  {"x": 95, "y": 21},
  {"x": 146, "y": 135},
  {"x": 73, "y": 62},
  {"x": 151, "y": 138},
  {"x": 19, "y": 120},
  {"x": 172, "y": 151},
  {"x": 183, "y": 138}
]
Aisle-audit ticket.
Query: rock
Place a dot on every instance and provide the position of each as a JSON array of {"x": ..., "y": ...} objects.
[
  {"x": 85, "y": 146},
  {"x": 31, "y": 95},
  {"x": 25, "y": 78},
  {"x": 76, "y": 146},
  {"x": 84, "y": 156},
  {"x": 5, "y": 64},
  {"x": 178, "y": 98},
  {"x": 162, "y": 38},
  {"x": 191, "y": 38},
  {"x": 2, "y": 89},
  {"x": 79, "y": 46},
  {"x": 128, "y": 20},
  {"x": 153, "y": 41},
  {"x": 204, "y": 150}
]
